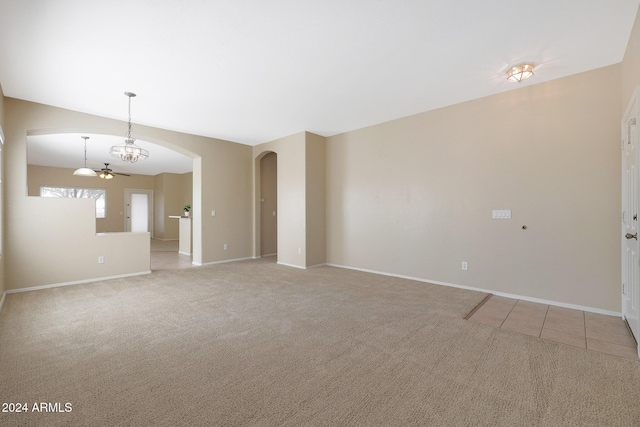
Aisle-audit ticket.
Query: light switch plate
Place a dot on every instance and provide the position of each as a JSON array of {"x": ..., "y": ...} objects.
[{"x": 502, "y": 214}]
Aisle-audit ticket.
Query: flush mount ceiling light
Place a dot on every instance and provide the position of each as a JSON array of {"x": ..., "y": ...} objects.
[
  {"x": 520, "y": 72},
  {"x": 129, "y": 152},
  {"x": 85, "y": 171}
]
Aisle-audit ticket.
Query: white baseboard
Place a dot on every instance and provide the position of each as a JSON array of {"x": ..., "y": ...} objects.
[
  {"x": 184, "y": 253},
  {"x": 4, "y": 295},
  {"x": 220, "y": 262},
  {"x": 317, "y": 265},
  {"x": 488, "y": 291},
  {"x": 77, "y": 282},
  {"x": 291, "y": 265},
  {"x": 267, "y": 255},
  {"x": 165, "y": 240},
  {"x": 299, "y": 266}
]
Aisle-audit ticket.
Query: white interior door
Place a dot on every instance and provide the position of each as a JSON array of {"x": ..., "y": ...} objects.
[
  {"x": 630, "y": 248},
  {"x": 139, "y": 209},
  {"x": 139, "y": 212}
]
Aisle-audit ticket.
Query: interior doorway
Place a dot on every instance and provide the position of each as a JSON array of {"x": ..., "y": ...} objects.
[
  {"x": 269, "y": 205},
  {"x": 139, "y": 210},
  {"x": 630, "y": 212}
]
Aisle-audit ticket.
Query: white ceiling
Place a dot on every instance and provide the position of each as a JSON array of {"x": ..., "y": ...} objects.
[{"x": 251, "y": 71}]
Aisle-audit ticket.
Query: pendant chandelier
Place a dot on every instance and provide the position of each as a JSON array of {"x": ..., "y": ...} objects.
[
  {"x": 85, "y": 171},
  {"x": 129, "y": 152}
]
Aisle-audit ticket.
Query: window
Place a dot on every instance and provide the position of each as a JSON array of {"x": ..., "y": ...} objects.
[{"x": 99, "y": 194}]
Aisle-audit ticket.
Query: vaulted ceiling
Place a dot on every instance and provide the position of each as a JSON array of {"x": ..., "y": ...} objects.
[{"x": 251, "y": 71}]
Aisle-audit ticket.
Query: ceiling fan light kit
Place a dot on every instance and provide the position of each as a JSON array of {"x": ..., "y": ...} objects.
[
  {"x": 129, "y": 152},
  {"x": 107, "y": 173}
]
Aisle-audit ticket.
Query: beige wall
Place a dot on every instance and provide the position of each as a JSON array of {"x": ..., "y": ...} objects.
[
  {"x": 291, "y": 197},
  {"x": 316, "y": 199},
  {"x": 62, "y": 246},
  {"x": 631, "y": 65},
  {"x": 172, "y": 192},
  {"x": 2, "y": 192},
  {"x": 221, "y": 177},
  {"x": 159, "y": 214},
  {"x": 1, "y": 106},
  {"x": 38, "y": 176},
  {"x": 301, "y": 202},
  {"x": 415, "y": 196},
  {"x": 268, "y": 204},
  {"x": 227, "y": 189}
]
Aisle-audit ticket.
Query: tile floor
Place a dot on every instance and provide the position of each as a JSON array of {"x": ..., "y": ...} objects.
[
  {"x": 165, "y": 256},
  {"x": 170, "y": 261},
  {"x": 606, "y": 334}
]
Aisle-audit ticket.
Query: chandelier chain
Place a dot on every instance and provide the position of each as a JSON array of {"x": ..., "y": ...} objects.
[
  {"x": 129, "y": 152},
  {"x": 129, "y": 130}
]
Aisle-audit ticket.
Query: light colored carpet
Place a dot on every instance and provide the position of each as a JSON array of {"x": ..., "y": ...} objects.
[{"x": 255, "y": 343}]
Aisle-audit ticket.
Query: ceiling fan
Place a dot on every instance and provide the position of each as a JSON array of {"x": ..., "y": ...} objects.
[{"x": 107, "y": 173}]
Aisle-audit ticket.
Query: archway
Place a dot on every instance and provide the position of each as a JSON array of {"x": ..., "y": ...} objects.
[
  {"x": 266, "y": 205},
  {"x": 51, "y": 157},
  {"x": 269, "y": 205}
]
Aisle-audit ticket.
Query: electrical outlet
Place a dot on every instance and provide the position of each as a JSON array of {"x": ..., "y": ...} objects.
[
  {"x": 465, "y": 265},
  {"x": 213, "y": 213},
  {"x": 299, "y": 251},
  {"x": 225, "y": 246},
  {"x": 100, "y": 260}
]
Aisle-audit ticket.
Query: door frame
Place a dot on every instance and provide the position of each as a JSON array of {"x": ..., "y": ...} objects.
[
  {"x": 127, "y": 207},
  {"x": 629, "y": 119}
]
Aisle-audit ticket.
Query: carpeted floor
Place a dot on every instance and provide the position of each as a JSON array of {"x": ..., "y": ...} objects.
[{"x": 256, "y": 343}]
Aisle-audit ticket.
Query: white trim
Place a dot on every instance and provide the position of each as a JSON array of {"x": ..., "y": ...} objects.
[
  {"x": 301, "y": 267},
  {"x": 291, "y": 265},
  {"x": 77, "y": 282},
  {"x": 220, "y": 262},
  {"x": 184, "y": 253},
  {"x": 317, "y": 265},
  {"x": 4, "y": 295},
  {"x": 266, "y": 255},
  {"x": 501, "y": 294},
  {"x": 165, "y": 240}
]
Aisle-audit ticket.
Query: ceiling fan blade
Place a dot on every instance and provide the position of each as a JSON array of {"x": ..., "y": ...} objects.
[{"x": 118, "y": 173}]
